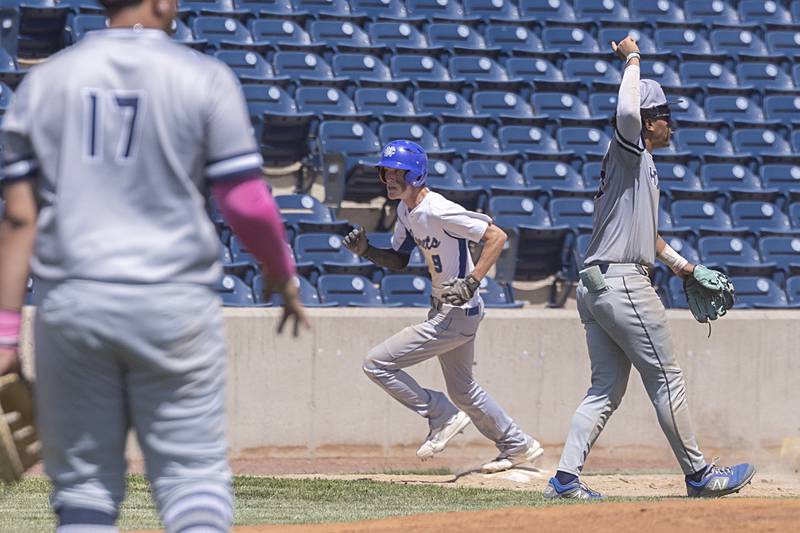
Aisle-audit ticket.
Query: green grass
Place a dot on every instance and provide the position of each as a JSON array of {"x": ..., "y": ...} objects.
[{"x": 24, "y": 507}]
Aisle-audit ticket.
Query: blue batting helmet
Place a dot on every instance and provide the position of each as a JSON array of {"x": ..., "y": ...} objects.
[{"x": 408, "y": 156}]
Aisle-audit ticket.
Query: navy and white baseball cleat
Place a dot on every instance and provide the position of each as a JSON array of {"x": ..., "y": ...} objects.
[
  {"x": 721, "y": 480},
  {"x": 576, "y": 489}
]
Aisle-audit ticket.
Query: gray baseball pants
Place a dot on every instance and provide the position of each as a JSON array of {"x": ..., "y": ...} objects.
[
  {"x": 626, "y": 324},
  {"x": 448, "y": 334},
  {"x": 151, "y": 357}
]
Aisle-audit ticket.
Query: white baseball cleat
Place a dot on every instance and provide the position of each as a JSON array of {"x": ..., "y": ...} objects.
[
  {"x": 438, "y": 438},
  {"x": 506, "y": 461}
]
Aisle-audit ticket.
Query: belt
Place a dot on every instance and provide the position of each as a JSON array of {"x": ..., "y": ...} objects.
[
  {"x": 468, "y": 311},
  {"x": 604, "y": 267}
]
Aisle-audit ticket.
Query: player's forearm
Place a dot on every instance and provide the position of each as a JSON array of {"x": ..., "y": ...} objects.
[
  {"x": 629, "y": 119},
  {"x": 494, "y": 240},
  {"x": 250, "y": 210},
  {"x": 672, "y": 259},
  {"x": 386, "y": 258},
  {"x": 17, "y": 235}
]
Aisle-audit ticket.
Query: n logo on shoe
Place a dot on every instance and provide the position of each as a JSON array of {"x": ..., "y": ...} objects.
[{"x": 719, "y": 483}]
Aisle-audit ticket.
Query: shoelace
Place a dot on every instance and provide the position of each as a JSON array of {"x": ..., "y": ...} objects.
[
  {"x": 714, "y": 469},
  {"x": 585, "y": 487}
]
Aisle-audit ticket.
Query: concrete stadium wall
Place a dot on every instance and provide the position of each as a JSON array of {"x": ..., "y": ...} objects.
[{"x": 308, "y": 397}]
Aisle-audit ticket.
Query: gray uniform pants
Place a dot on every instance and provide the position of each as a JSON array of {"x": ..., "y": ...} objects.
[
  {"x": 448, "y": 334},
  {"x": 626, "y": 325},
  {"x": 152, "y": 357}
]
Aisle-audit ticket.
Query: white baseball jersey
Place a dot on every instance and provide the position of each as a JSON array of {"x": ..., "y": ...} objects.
[
  {"x": 122, "y": 131},
  {"x": 441, "y": 229}
]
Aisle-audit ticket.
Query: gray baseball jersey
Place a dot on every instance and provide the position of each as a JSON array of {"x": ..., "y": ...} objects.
[
  {"x": 625, "y": 218},
  {"x": 122, "y": 129}
]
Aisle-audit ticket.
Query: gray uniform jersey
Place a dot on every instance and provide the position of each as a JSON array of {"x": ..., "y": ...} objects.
[
  {"x": 122, "y": 130},
  {"x": 625, "y": 223}
]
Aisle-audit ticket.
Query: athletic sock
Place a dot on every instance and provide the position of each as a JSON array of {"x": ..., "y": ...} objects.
[
  {"x": 697, "y": 476},
  {"x": 565, "y": 478}
]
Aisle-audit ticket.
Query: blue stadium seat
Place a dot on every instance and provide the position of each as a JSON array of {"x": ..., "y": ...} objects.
[
  {"x": 763, "y": 12},
  {"x": 569, "y": 40},
  {"x": 41, "y": 27},
  {"x": 387, "y": 104},
  {"x": 484, "y": 72},
  {"x": 784, "y": 43},
  {"x": 438, "y": 10},
  {"x": 533, "y": 141},
  {"x": 547, "y": 10},
  {"x": 685, "y": 248},
  {"x": 346, "y": 290},
  {"x": 682, "y": 41},
  {"x": 661, "y": 72},
  {"x": 764, "y": 76},
  {"x": 601, "y": 10},
  {"x": 90, "y": 7},
  {"x": 759, "y": 216},
  {"x": 559, "y": 178},
  {"x": 284, "y": 34},
  {"x": 250, "y": 67},
  {"x": 575, "y": 213},
  {"x": 560, "y": 105},
  {"x": 591, "y": 173},
  {"x": 657, "y": 11},
  {"x": 796, "y": 74},
  {"x": 450, "y": 106},
  {"x": 308, "y": 68},
  {"x": 511, "y": 39},
  {"x": 309, "y": 215},
  {"x": 734, "y": 179},
  {"x": 308, "y": 293},
  {"x": 6, "y": 95},
  {"x": 335, "y": 9},
  {"x": 473, "y": 140},
  {"x": 270, "y": 8},
  {"x": 700, "y": 216},
  {"x": 603, "y": 105},
  {"x": 759, "y": 293},
  {"x": 406, "y": 290},
  {"x": 785, "y": 108},
  {"x": 493, "y": 10},
  {"x": 268, "y": 99},
  {"x": 677, "y": 297},
  {"x": 365, "y": 70},
  {"x": 795, "y": 8},
  {"x": 347, "y": 149},
  {"x": 425, "y": 71},
  {"x": 495, "y": 295},
  {"x": 82, "y": 24},
  {"x": 401, "y": 37},
  {"x": 585, "y": 142},
  {"x": 760, "y": 142},
  {"x": 686, "y": 112},
  {"x": 681, "y": 182},
  {"x": 710, "y": 13},
  {"x": 595, "y": 73},
  {"x": 181, "y": 33},
  {"x": 783, "y": 251},
  {"x": 458, "y": 38},
  {"x": 446, "y": 180},
  {"x": 344, "y": 36},
  {"x": 326, "y": 253},
  {"x": 734, "y": 109},
  {"x": 211, "y": 7},
  {"x": 643, "y": 40},
  {"x": 498, "y": 177},
  {"x": 326, "y": 102},
  {"x": 505, "y": 107},
  {"x": 795, "y": 137},
  {"x": 535, "y": 248},
  {"x": 793, "y": 290},
  {"x": 708, "y": 75},
  {"x": 383, "y": 9},
  {"x": 222, "y": 32},
  {"x": 389, "y": 131},
  {"x": 234, "y": 292},
  {"x": 542, "y": 72},
  {"x": 737, "y": 41},
  {"x": 735, "y": 256},
  {"x": 794, "y": 214},
  {"x": 701, "y": 141},
  {"x": 784, "y": 177},
  {"x": 280, "y": 126}
]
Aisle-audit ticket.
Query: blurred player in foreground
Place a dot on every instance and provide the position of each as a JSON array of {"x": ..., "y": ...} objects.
[
  {"x": 109, "y": 147},
  {"x": 624, "y": 318},
  {"x": 441, "y": 229}
]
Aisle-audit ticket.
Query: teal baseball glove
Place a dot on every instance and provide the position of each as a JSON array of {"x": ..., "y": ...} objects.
[{"x": 709, "y": 293}]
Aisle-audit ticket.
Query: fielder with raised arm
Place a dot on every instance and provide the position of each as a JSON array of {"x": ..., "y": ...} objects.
[
  {"x": 442, "y": 230},
  {"x": 624, "y": 318},
  {"x": 113, "y": 142}
]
